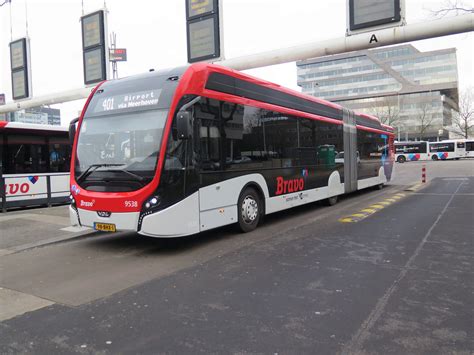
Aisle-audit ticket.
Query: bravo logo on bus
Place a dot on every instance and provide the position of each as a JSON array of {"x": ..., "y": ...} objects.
[{"x": 291, "y": 185}]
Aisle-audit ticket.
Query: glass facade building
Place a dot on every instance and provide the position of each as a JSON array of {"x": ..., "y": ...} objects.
[{"x": 415, "y": 92}]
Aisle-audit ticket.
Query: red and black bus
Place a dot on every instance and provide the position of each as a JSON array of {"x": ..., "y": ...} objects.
[
  {"x": 34, "y": 164},
  {"x": 176, "y": 152}
]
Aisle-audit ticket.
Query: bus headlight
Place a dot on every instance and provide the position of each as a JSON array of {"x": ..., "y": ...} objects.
[
  {"x": 72, "y": 201},
  {"x": 152, "y": 202}
]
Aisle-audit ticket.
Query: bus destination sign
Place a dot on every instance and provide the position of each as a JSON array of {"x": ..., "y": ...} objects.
[{"x": 129, "y": 100}]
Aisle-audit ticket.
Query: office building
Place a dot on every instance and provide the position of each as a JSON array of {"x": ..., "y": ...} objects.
[{"x": 415, "y": 92}]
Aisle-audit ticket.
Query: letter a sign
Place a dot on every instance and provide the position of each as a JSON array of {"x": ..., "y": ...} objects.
[{"x": 373, "y": 38}]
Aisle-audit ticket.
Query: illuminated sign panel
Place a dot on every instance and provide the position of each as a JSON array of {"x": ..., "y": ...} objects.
[
  {"x": 195, "y": 8},
  {"x": 203, "y": 30},
  {"x": 18, "y": 53},
  {"x": 370, "y": 13},
  {"x": 93, "y": 29},
  {"x": 202, "y": 40},
  {"x": 118, "y": 55},
  {"x": 93, "y": 47},
  {"x": 19, "y": 69},
  {"x": 94, "y": 65},
  {"x": 19, "y": 84}
]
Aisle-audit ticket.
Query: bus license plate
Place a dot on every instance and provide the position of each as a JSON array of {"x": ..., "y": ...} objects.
[{"x": 104, "y": 227}]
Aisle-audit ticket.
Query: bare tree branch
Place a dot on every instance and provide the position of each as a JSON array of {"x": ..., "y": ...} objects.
[
  {"x": 452, "y": 7},
  {"x": 387, "y": 110},
  {"x": 463, "y": 121},
  {"x": 424, "y": 118}
]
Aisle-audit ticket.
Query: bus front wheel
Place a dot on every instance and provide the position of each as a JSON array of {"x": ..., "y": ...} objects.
[
  {"x": 434, "y": 157},
  {"x": 401, "y": 159},
  {"x": 250, "y": 210}
]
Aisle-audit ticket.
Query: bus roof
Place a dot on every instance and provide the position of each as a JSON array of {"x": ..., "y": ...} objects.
[
  {"x": 207, "y": 72},
  {"x": 4, "y": 125}
]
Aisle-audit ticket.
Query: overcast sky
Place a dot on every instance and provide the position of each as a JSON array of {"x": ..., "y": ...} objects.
[{"x": 154, "y": 33}]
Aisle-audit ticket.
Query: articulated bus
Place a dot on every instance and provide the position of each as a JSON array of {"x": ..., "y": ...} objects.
[
  {"x": 469, "y": 148},
  {"x": 34, "y": 164},
  {"x": 411, "y": 151},
  {"x": 176, "y": 152},
  {"x": 448, "y": 149}
]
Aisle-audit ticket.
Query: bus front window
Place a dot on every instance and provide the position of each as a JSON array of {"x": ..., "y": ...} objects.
[{"x": 127, "y": 142}]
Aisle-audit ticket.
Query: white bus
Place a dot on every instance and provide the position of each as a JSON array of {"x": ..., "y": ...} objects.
[
  {"x": 34, "y": 164},
  {"x": 470, "y": 148},
  {"x": 447, "y": 149},
  {"x": 177, "y": 152},
  {"x": 411, "y": 151}
]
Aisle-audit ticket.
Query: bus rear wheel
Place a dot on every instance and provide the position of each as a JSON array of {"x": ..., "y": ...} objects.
[
  {"x": 331, "y": 201},
  {"x": 434, "y": 157},
  {"x": 250, "y": 210},
  {"x": 401, "y": 159}
]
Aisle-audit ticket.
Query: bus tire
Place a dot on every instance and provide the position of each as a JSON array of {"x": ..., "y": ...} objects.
[
  {"x": 331, "y": 201},
  {"x": 434, "y": 157},
  {"x": 250, "y": 209},
  {"x": 401, "y": 159}
]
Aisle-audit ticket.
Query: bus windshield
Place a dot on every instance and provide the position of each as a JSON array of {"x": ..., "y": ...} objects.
[{"x": 125, "y": 145}]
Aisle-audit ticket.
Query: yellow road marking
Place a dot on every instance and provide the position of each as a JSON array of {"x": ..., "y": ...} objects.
[
  {"x": 379, "y": 207},
  {"x": 366, "y": 212},
  {"x": 346, "y": 220}
]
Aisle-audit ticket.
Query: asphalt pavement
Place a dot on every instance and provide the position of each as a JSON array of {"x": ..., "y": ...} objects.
[{"x": 397, "y": 281}]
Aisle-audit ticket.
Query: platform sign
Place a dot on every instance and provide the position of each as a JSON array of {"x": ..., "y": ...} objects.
[
  {"x": 118, "y": 55},
  {"x": 366, "y": 15},
  {"x": 20, "y": 69},
  {"x": 203, "y": 28},
  {"x": 93, "y": 47},
  {"x": 197, "y": 8}
]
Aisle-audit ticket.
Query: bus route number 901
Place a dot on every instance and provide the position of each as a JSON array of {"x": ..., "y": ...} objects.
[{"x": 131, "y": 204}]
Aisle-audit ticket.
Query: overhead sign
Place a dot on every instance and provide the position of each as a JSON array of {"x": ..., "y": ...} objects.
[
  {"x": 203, "y": 30},
  {"x": 20, "y": 69},
  {"x": 364, "y": 15},
  {"x": 118, "y": 55},
  {"x": 94, "y": 46},
  {"x": 197, "y": 8}
]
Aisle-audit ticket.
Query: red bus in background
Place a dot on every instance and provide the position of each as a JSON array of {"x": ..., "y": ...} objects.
[
  {"x": 179, "y": 151},
  {"x": 34, "y": 164}
]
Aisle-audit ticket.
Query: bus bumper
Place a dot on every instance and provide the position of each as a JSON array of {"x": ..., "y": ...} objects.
[{"x": 127, "y": 221}]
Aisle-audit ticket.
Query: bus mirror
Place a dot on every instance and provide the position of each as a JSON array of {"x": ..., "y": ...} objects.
[
  {"x": 72, "y": 130},
  {"x": 184, "y": 124}
]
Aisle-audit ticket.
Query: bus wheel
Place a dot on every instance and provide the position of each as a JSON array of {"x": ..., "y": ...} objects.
[
  {"x": 434, "y": 157},
  {"x": 250, "y": 209},
  {"x": 401, "y": 159},
  {"x": 331, "y": 201}
]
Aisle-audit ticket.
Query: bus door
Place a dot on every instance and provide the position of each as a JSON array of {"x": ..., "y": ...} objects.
[{"x": 350, "y": 151}]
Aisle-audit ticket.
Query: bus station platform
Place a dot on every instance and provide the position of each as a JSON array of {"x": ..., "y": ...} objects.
[{"x": 24, "y": 229}]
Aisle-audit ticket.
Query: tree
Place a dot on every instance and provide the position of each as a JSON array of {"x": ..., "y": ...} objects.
[
  {"x": 424, "y": 119},
  {"x": 387, "y": 110},
  {"x": 454, "y": 7},
  {"x": 463, "y": 121}
]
